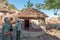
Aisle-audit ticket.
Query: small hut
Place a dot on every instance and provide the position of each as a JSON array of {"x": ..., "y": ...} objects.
[
  {"x": 32, "y": 19},
  {"x": 4, "y": 12}
]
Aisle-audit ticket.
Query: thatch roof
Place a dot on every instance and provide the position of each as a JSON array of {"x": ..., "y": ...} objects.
[
  {"x": 1, "y": 15},
  {"x": 10, "y": 16},
  {"x": 3, "y": 9},
  {"x": 32, "y": 13}
]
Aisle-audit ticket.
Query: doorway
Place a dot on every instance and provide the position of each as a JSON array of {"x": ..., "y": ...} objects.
[{"x": 26, "y": 24}]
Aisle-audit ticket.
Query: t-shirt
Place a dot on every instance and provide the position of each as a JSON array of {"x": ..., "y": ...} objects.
[
  {"x": 11, "y": 29},
  {"x": 18, "y": 26},
  {"x": 6, "y": 27}
]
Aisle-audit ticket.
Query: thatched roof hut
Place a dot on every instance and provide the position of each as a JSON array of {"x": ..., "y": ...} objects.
[
  {"x": 32, "y": 13},
  {"x": 10, "y": 16},
  {"x": 32, "y": 18},
  {"x": 2, "y": 9},
  {"x": 4, "y": 12}
]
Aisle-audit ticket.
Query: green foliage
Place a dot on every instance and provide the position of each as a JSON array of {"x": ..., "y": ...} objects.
[
  {"x": 52, "y": 4},
  {"x": 58, "y": 18},
  {"x": 55, "y": 13},
  {"x": 49, "y": 5},
  {"x": 40, "y": 6},
  {"x": 29, "y": 4}
]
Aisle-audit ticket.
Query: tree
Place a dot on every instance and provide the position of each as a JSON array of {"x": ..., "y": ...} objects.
[
  {"x": 40, "y": 6},
  {"x": 51, "y": 5},
  {"x": 29, "y": 4}
]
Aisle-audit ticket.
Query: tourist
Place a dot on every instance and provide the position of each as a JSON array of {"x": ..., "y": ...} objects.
[
  {"x": 11, "y": 28},
  {"x": 6, "y": 30},
  {"x": 18, "y": 29}
]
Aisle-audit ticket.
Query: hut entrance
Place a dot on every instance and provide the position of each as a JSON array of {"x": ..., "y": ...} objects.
[{"x": 26, "y": 24}]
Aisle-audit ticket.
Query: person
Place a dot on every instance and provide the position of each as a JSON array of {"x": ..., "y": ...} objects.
[
  {"x": 6, "y": 30},
  {"x": 18, "y": 29},
  {"x": 11, "y": 28}
]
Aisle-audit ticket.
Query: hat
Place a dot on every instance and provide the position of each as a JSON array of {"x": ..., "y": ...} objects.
[
  {"x": 17, "y": 20},
  {"x": 6, "y": 19}
]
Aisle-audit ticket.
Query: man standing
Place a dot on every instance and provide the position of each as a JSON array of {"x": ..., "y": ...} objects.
[
  {"x": 18, "y": 29},
  {"x": 11, "y": 29},
  {"x": 6, "y": 30}
]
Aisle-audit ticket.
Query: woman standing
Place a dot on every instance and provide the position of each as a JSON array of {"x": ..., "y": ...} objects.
[{"x": 6, "y": 30}]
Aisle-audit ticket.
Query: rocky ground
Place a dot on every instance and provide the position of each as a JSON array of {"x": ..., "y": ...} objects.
[
  {"x": 43, "y": 37},
  {"x": 46, "y": 36}
]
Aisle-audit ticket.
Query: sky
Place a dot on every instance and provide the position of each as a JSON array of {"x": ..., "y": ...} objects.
[{"x": 19, "y": 4}]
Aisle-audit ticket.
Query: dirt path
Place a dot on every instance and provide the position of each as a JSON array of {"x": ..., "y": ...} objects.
[{"x": 43, "y": 37}]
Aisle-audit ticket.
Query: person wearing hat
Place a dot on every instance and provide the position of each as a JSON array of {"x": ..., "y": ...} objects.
[
  {"x": 11, "y": 28},
  {"x": 6, "y": 30},
  {"x": 18, "y": 29}
]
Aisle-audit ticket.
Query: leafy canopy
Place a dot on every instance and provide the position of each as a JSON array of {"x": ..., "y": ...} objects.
[{"x": 50, "y": 5}]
